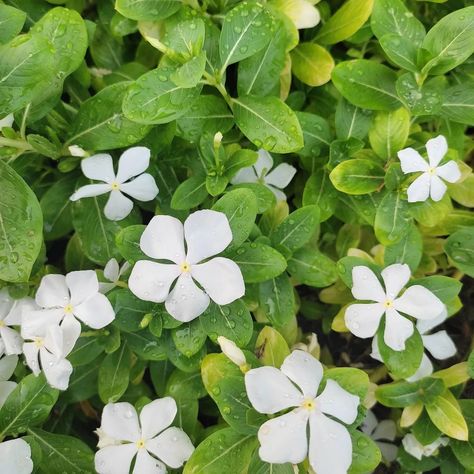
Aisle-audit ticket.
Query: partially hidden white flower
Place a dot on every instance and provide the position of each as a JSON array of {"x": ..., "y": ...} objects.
[
  {"x": 381, "y": 432},
  {"x": 15, "y": 457},
  {"x": 113, "y": 272},
  {"x": 312, "y": 346},
  {"x": 417, "y": 450},
  {"x": 10, "y": 315},
  {"x": 284, "y": 438},
  {"x": 430, "y": 183},
  {"x": 7, "y": 121},
  {"x": 206, "y": 233},
  {"x": 260, "y": 172},
  {"x": 147, "y": 437},
  {"x": 232, "y": 351},
  {"x": 302, "y": 13},
  {"x": 7, "y": 367},
  {"x": 363, "y": 320},
  {"x": 132, "y": 164}
]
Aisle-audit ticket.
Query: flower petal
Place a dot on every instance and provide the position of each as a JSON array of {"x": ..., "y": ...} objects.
[
  {"x": 375, "y": 354},
  {"x": 52, "y": 292},
  {"x": 245, "y": 175},
  {"x": 439, "y": 345},
  {"x": 7, "y": 366},
  {"x": 395, "y": 277},
  {"x": 7, "y": 121},
  {"x": 397, "y": 330},
  {"x": 151, "y": 281},
  {"x": 35, "y": 323},
  {"x": 31, "y": 350},
  {"x": 337, "y": 402},
  {"x": 115, "y": 459},
  {"x": 437, "y": 188},
  {"x": 411, "y": 161},
  {"x": 71, "y": 329},
  {"x": 186, "y": 301},
  {"x": 111, "y": 270},
  {"x": 120, "y": 421},
  {"x": 207, "y": 233},
  {"x": 163, "y": 239},
  {"x": 263, "y": 164},
  {"x": 304, "y": 370},
  {"x": 15, "y": 457},
  {"x": 82, "y": 285},
  {"x": 426, "y": 325},
  {"x": 281, "y": 176},
  {"x": 6, "y": 388},
  {"x": 57, "y": 372},
  {"x": 146, "y": 464},
  {"x": 6, "y": 303},
  {"x": 53, "y": 341},
  {"x": 419, "y": 302},
  {"x": 424, "y": 370},
  {"x": 12, "y": 340},
  {"x": 419, "y": 190},
  {"x": 449, "y": 172},
  {"x": 436, "y": 149},
  {"x": 301, "y": 12},
  {"x": 279, "y": 195},
  {"x": 366, "y": 286},
  {"x": 330, "y": 445},
  {"x": 118, "y": 206},
  {"x": 99, "y": 167},
  {"x": 90, "y": 190},
  {"x": 270, "y": 391},
  {"x": 283, "y": 439},
  {"x": 386, "y": 429},
  {"x": 172, "y": 446},
  {"x": 156, "y": 416},
  {"x": 363, "y": 320},
  {"x": 15, "y": 315},
  {"x": 142, "y": 188},
  {"x": 221, "y": 279},
  {"x": 389, "y": 451},
  {"x": 133, "y": 162},
  {"x": 96, "y": 312}
]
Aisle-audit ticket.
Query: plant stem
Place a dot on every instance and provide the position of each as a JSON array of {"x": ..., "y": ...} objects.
[{"x": 20, "y": 144}]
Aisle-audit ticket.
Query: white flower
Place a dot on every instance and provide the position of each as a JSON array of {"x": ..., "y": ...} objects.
[
  {"x": 312, "y": 346},
  {"x": 363, "y": 320},
  {"x": 10, "y": 315},
  {"x": 113, "y": 272},
  {"x": 301, "y": 12},
  {"x": 7, "y": 121},
  {"x": 260, "y": 172},
  {"x": 381, "y": 432},
  {"x": 206, "y": 233},
  {"x": 430, "y": 182},
  {"x": 232, "y": 351},
  {"x": 417, "y": 450},
  {"x": 132, "y": 163},
  {"x": 154, "y": 444},
  {"x": 7, "y": 367},
  {"x": 284, "y": 438},
  {"x": 15, "y": 457},
  {"x": 76, "y": 150}
]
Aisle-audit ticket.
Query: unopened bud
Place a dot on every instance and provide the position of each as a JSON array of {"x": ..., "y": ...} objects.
[
  {"x": 75, "y": 150},
  {"x": 234, "y": 353}
]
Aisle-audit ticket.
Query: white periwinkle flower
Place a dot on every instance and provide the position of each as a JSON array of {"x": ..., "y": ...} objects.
[
  {"x": 232, "y": 351},
  {"x": 15, "y": 457},
  {"x": 7, "y": 121},
  {"x": 417, "y": 450},
  {"x": 381, "y": 432},
  {"x": 7, "y": 367},
  {"x": 284, "y": 438},
  {"x": 113, "y": 272},
  {"x": 303, "y": 13},
  {"x": 430, "y": 182},
  {"x": 132, "y": 164},
  {"x": 260, "y": 172},
  {"x": 122, "y": 436},
  {"x": 417, "y": 301},
  {"x": 206, "y": 233}
]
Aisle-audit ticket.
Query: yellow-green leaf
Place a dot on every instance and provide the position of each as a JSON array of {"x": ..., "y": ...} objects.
[{"x": 312, "y": 64}]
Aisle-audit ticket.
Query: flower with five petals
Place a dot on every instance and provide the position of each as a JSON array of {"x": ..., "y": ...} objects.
[
  {"x": 382, "y": 433},
  {"x": 113, "y": 272},
  {"x": 206, "y": 233},
  {"x": 284, "y": 438},
  {"x": 363, "y": 319}
]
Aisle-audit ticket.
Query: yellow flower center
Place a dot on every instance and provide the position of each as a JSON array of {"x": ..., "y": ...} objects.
[
  {"x": 140, "y": 443},
  {"x": 2, "y": 324},
  {"x": 39, "y": 341},
  {"x": 309, "y": 404},
  {"x": 388, "y": 304},
  {"x": 68, "y": 309},
  {"x": 115, "y": 186},
  {"x": 185, "y": 267},
  {"x": 431, "y": 171}
]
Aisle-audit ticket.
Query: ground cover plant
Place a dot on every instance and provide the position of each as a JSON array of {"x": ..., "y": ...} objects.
[{"x": 236, "y": 236}]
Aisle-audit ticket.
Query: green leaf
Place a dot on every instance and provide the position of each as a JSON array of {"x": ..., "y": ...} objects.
[
  {"x": 345, "y": 22},
  {"x": 100, "y": 123},
  {"x": 270, "y": 347},
  {"x": 63, "y": 453},
  {"x": 450, "y": 41},
  {"x": 257, "y": 466},
  {"x": 190, "y": 73},
  {"x": 366, "y": 455},
  {"x": 185, "y": 39},
  {"x": 145, "y": 345},
  {"x": 240, "y": 207},
  {"x": 445, "y": 288},
  {"x": 392, "y": 220},
  {"x": 127, "y": 241},
  {"x": 312, "y": 64},
  {"x": 190, "y": 193},
  {"x": 398, "y": 394},
  {"x": 247, "y": 29},
  {"x": 400, "y": 50},
  {"x": 114, "y": 373},
  {"x": 155, "y": 98},
  {"x": 277, "y": 300},
  {"x": 21, "y": 226},
  {"x": 129, "y": 310},
  {"x": 353, "y": 380},
  {"x": 458, "y": 103},
  {"x": 147, "y": 9},
  {"x": 28, "y": 405},
  {"x": 316, "y": 133},
  {"x": 460, "y": 249},
  {"x": 11, "y": 21},
  {"x": 351, "y": 121},
  {"x": 357, "y": 176},
  {"x": 189, "y": 338},
  {"x": 320, "y": 191},
  {"x": 367, "y": 84},
  {"x": 464, "y": 450},
  {"x": 268, "y": 123},
  {"x": 311, "y": 267},
  {"x": 408, "y": 250},
  {"x": 425, "y": 99},
  {"x": 258, "y": 262},
  {"x": 221, "y": 452}
]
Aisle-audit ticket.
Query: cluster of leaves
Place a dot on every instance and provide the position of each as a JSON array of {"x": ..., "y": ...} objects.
[{"x": 337, "y": 101}]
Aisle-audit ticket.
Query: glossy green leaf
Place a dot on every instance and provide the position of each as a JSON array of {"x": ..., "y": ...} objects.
[
  {"x": 311, "y": 267},
  {"x": 460, "y": 249},
  {"x": 357, "y": 176},
  {"x": 147, "y": 9},
  {"x": 12, "y": 21},
  {"x": 312, "y": 64},
  {"x": 392, "y": 219},
  {"x": 458, "y": 103},
  {"x": 277, "y": 300}
]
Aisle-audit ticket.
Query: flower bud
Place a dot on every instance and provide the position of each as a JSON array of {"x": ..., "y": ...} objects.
[{"x": 230, "y": 349}]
